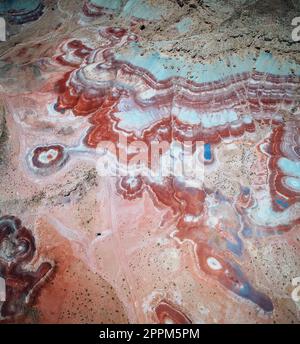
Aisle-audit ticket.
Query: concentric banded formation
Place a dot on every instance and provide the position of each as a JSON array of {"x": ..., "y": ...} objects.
[
  {"x": 188, "y": 206},
  {"x": 17, "y": 249},
  {"x": 230, "y": 276},
  {"x": 72, "y": 53},
  {"x": 94, "y": 8},
  {"x": 135, "y": 9},
  {"x": 47, "y": 159},
  {"x": 125, "y": 97},
  {"x": 20, "y": 12},
  {"x": 151, "y": 98},
  {"x": 167, "y": 313},
  {"x": 283, "y": 149}
]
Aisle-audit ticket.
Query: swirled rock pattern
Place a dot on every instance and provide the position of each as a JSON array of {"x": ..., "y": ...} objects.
[
  {"x": 20, "y": 12},
  {"x": 18, "y": 249},
  {"x": 219, "y": 248}
]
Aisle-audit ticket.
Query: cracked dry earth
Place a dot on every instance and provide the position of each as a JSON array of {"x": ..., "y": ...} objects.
[{"x": 77, "y": 246}]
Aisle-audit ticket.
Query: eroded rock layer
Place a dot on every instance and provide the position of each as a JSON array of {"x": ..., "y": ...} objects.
[{"x": 219, "y": 245}]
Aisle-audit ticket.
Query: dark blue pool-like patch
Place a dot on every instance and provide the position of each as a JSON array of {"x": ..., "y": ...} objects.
[
  {"x": 282, "y": 203},
  {"x": 207, "y": 151},
  {"x": 247, "y": 232}
]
